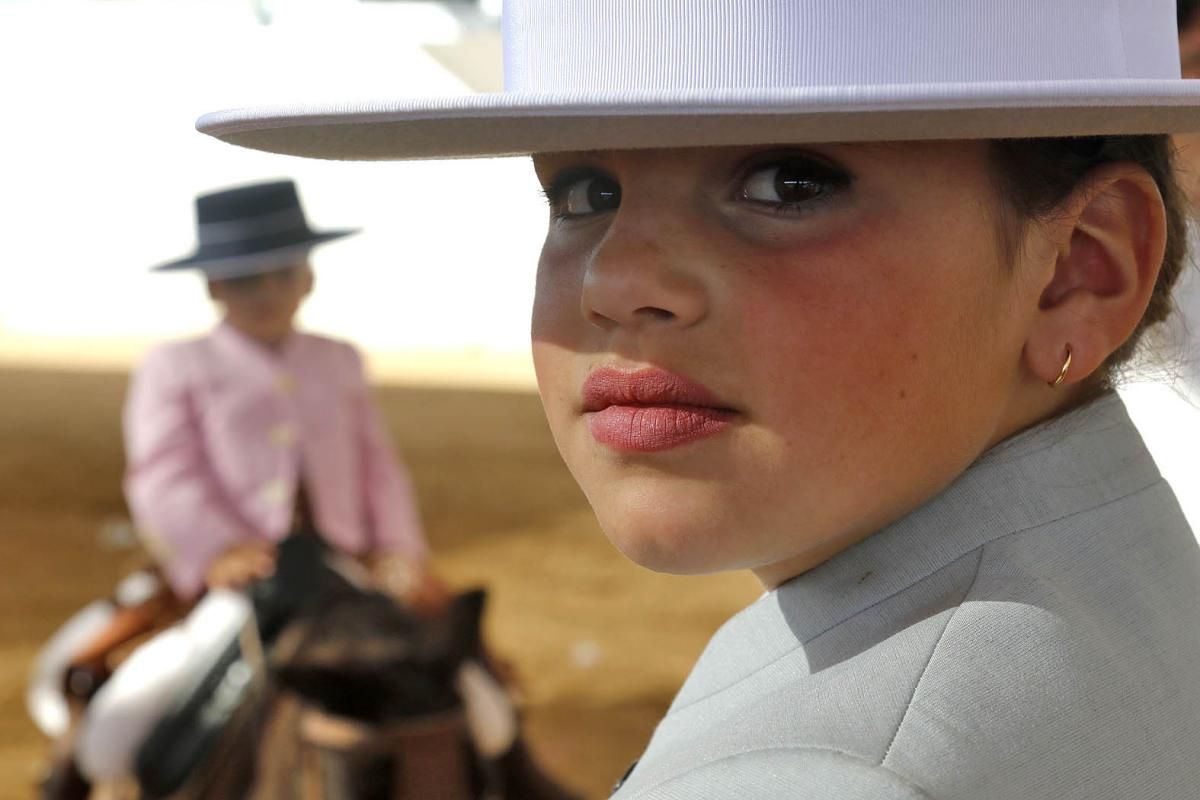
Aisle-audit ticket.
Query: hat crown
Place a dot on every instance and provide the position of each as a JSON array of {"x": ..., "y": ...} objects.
[
  {"x": 250, "y": 213},
  {"x": 558, "y": 46},
  {"x": 245, "y": 203},
  {"x": 249, "y": 230}
]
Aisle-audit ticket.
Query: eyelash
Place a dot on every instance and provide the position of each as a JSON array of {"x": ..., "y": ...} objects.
[
  {"x": 555, "y": 194},
  {"x": 831, "y": 179}
]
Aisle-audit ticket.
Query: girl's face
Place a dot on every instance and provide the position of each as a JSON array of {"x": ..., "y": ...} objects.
[
  {"x": 264, "y": 306},
  {"x": 755, "y": 357}
]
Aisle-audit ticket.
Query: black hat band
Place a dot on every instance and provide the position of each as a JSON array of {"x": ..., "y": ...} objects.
[
  {"x": 247, "y": 228},
  {"x": 257, "y": 246}
]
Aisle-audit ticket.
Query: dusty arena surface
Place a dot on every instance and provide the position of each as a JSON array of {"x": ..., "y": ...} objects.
[{"x": 600, "y": 645}]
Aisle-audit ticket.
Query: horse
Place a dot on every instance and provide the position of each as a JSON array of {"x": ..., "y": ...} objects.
[{"x": 342, "y": 694}]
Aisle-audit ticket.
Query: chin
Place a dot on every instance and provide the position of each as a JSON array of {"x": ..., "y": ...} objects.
[
  {"x": 657, "y": 554},
  {"x": 671, "y": 536}
]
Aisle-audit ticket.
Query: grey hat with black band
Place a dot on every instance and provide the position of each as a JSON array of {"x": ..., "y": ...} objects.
[{"x": 251, "y": 230}]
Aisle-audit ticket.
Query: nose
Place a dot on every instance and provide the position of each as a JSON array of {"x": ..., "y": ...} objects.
[{"x": 634, "y": 281}]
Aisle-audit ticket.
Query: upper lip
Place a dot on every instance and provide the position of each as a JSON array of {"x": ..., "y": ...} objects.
[{"x": 608, "y": 386}]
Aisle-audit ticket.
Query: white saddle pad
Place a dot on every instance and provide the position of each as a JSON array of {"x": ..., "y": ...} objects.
[
  {"x": 149, "y": 683},
  {"x": 44, "y": 699}
]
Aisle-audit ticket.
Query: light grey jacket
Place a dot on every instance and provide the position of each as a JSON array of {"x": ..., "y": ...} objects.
[{"x": 1033, "y": 632}]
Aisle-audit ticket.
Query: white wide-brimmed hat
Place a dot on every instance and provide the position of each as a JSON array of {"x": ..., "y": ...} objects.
[{"x": 612, "y": 74}]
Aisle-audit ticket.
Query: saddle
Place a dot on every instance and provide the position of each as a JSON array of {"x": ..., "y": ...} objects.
[
  {"x": 387, "y": 703},
  {"x": 80, "y": 659},
  {"x": 86, "y": 649},
  {"x": 218, "y": 701}
]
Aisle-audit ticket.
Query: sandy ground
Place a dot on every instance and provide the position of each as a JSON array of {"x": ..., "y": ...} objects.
[{"x": 601, "y": 644}]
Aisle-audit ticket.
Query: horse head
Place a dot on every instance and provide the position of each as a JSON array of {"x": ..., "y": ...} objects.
[{"x": 364, "y": 657}]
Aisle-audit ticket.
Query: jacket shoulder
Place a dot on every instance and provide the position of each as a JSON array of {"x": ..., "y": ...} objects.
[
  {"x": 797, "y": 773},
  {"x": 1062, "y": 662},
  {"x": 174, "y": 359},
  {"x": 329, "y": 348}
]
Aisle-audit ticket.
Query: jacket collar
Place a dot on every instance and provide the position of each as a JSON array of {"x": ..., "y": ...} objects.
[
  {"x": 234, "y": 341},
  {"x": 1080, "y": 461}
]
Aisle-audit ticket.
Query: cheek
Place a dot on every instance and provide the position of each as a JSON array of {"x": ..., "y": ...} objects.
[
  {"x": 239, "y": 307},
  {"x": 295, "y": 301},
  {"x": 862, "y": 328},
  {"x": 555, "y": 330},
  {"x": 552, "y": 302},
  {"x": 557, "y": 317}
]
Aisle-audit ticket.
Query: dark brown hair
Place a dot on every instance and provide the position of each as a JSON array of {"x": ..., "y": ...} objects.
[
  {"x": 1037, "y": 176},
  {"x": 1185, "y": 12}
]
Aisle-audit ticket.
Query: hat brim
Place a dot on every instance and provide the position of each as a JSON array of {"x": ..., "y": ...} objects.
[
  {"x": 245, "y": 265},
  {"x": 519, "y": 124}
]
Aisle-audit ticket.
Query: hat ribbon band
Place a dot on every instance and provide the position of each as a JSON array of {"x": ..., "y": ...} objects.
[
  {"x": 211, "y": 233},
  {"x": 659, "y": 45}
]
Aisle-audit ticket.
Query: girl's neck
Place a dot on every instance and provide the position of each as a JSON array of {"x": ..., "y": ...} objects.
[{"x": 274, "y": 342}]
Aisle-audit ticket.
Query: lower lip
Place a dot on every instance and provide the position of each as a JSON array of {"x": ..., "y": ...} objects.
[{"x": 652, "y": 429}]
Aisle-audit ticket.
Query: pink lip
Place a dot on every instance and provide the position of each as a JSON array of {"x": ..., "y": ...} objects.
[{"x": 650, "y": 410}]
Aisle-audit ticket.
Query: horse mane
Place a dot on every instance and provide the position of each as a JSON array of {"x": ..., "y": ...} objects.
[{"x": 364, "y": 657}]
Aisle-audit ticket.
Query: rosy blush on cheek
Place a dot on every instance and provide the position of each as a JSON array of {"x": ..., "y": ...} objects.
[{"x": 829, "y": 334}]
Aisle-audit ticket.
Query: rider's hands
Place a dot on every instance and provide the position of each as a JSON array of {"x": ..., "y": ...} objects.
[
  {"x": 413, "y": 583},
  {"x": 241, "y": 565},
  {"x": 431, "y": 595}
]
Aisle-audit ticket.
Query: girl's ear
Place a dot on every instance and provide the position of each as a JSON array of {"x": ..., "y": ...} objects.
[{"x": 1111, "y": 237}]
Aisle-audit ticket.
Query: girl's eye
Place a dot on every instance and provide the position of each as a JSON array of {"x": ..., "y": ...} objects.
[
  {"x": 580, "y": 196},
  {"x": 789, "y": 185}
]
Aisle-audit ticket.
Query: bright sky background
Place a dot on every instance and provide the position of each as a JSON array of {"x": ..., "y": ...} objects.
[{"x": 101, "y": 162}]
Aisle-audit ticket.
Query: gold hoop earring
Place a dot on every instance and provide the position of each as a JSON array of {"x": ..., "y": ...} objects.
[{"x": 1062, "y": 376}]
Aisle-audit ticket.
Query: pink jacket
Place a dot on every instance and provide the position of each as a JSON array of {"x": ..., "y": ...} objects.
[{"x": 219, "y": 432}]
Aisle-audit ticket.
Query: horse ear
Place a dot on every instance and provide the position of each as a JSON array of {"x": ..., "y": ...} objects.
[
  {"x": 464, "y": 626},
  {"x": 301, "y": 581}
]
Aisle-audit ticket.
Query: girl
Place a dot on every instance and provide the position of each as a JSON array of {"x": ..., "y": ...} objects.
[
  {"x": 832, "y": 291},
  {"x": 231, "y": 435}
]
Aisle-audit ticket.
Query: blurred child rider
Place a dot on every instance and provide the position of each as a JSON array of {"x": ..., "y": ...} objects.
[
  {"x": 812, "y": 303},
  {"x": 229, "y": 435}
]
